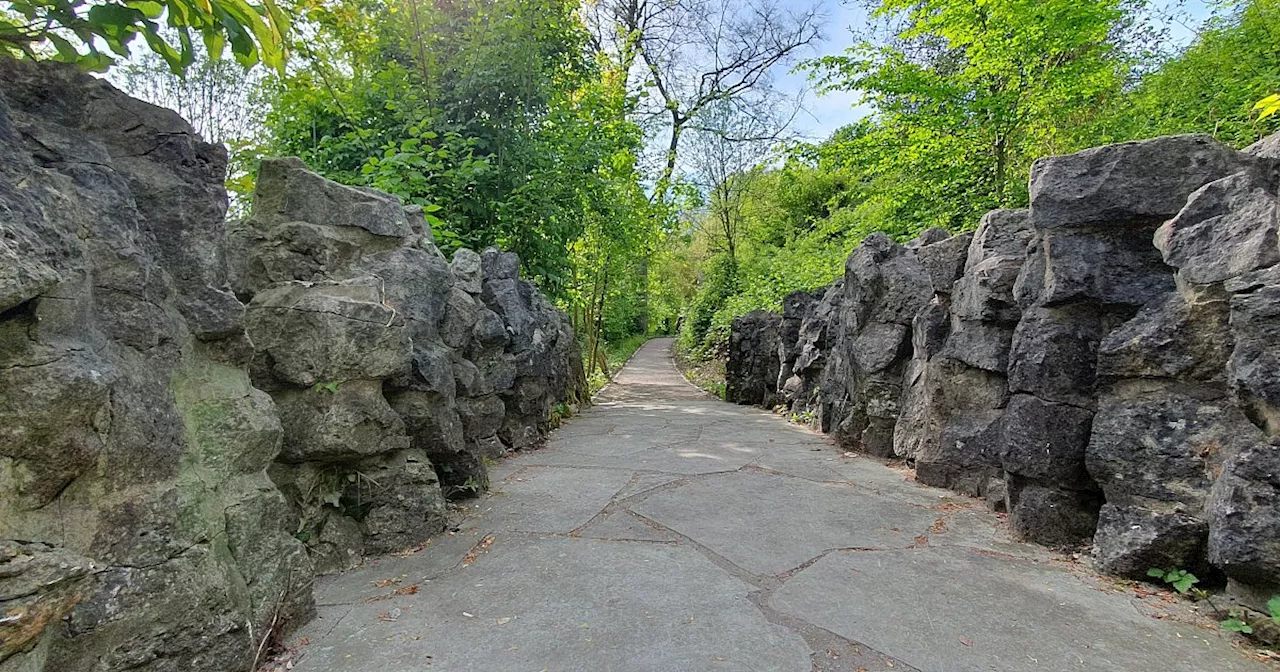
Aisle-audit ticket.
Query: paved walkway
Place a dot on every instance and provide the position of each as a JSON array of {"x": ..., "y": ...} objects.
[{"x": 664, "y": 530}]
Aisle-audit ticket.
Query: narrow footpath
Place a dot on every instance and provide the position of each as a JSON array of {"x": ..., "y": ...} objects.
[{"x": 665, "y": 530}]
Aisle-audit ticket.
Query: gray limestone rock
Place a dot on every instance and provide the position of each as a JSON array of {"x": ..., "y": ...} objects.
[
  {"x": 1159, "y": 445},
  {"x": 1175, "y": 338},
  {"x": 133, "y": 436},
  {"x": 1144, "y": 181},
  {"x": 468, "y": 274},
  {"x": 1267, "y": 148},
  {"x": 1244, "y": 516},
  {"x": 944, "y": 261},
  {"x": 1131, "y": 540},
  {"x": 1045, "y": 441},
  {"x": 349, "y": 420},
  {"x": 1228, "y": 227},
  {"x": 286, "y": 191},
  {"x": 751, "y": 373},
  {"x": 317, "y": 333},
  {"x": 1253, "y": 371}
]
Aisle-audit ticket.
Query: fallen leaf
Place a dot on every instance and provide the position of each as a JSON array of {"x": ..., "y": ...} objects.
[
  {"x": 391, "y": 616},
  {"x": 504, "y": 620},
  {"x": 479, "y": 548},
  {"x": 411, "y": 589},
  {"x": 966, "y": 641},
  {"x": 386, "y": 582},
  {"x": 922, "y": 540},
  {"x": 410, "y": 551}
]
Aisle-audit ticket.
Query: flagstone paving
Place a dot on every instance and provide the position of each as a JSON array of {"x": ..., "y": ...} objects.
[{"x": 665, "y": 530}]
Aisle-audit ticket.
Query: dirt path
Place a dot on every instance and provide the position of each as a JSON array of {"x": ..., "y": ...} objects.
[{"x": 664, "y": 530}]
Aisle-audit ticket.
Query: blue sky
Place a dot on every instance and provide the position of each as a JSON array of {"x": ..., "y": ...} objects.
[{"x": 825, "y": 114}]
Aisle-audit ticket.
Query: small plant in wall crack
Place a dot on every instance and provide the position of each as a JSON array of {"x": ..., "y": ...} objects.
[
  {"x": 1236, "y": 620},
  {"x": 1180, "y": 579},
  {"x": 331, "y": 387}
]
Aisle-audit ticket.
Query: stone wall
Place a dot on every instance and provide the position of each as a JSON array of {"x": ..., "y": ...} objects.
[
  {"x": 194, "y": 418},
  {"x": 1104, "y": 365}
]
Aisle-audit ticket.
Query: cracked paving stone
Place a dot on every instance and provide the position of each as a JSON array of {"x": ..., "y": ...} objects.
[
  {"x": 566, "y": 604},
  {"x": 954, "y": 610},
  {"x": 729, "y": 564}
]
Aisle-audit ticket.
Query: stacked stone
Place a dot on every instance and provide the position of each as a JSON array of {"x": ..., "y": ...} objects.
[
  {"x": 1189, "y": 394},
  {"x": 398, "y": 375},
  {"x": 162, "y": 500},
  {"x": 955, "y": 387},
  {"x": 1098, "y": 385},
  {"x": 797, "y": 307},
  {"x": 133, "y": 451},
  {"x": 800, "y": 390},
  {"x": 885, "y": 286},
  {"x": 751, "y": 372},
  {"x": 1091, "y": 268}
]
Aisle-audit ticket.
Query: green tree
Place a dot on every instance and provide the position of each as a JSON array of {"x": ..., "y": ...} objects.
[
  {"x": 75, "y": 30},
  {"x": 966, "y": 94},
  {"x": 499, "y": 119},
  {"x": 1214, "y": 85}
]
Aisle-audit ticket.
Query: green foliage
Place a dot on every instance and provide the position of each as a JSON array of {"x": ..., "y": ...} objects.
[
  {"x": 1236, "y": 620},
  {"x": 1267, "y": 106},
  {"x": 494, "y": 116},
  {"x": 490, "y": 114},
  {"x": 966, "y": 95},
  {"x": 331, "y": 387},
  {"x": 1214, "y": 85},
  {"x": 719, "y": 282},
  {"x": 74, "y": 30},
  {"x": 1235, "y": 623},
  {"x": 1180, "y": 579}
]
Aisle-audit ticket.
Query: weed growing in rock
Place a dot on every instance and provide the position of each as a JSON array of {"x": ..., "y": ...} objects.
[{"x": 1180, "y": 579}]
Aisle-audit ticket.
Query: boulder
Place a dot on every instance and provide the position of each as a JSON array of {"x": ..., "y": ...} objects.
[
  {"x": 1050, "y": 515},
  {"x": 1228, "y": 227},
  {"x": 317, "y": 333},
  {"x": 467, "y": 270},
  {"x": 1266, "y": 148},
  {"x": 286, "y": 191},
  {"x": 751, "y": 372},
  {"x": 1143, "y": 182},
  {"x": 398, "y": 500},
  {"x": 1253, "y": 371},
  {"x": 1045, "y": 441},
  {"x": 134, "y": 440},
  {"x": 945, "y": 260},
  {"x": 1244, "y": 516},
  {"x": 1131, "y": 540},
  {"x": 345, "y": 421}
]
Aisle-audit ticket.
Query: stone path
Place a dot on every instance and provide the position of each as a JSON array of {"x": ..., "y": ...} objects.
[{"x": 664, "y": 530}]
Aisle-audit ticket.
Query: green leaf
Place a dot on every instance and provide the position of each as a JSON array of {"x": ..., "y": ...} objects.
[
  {"x": 1273, "y": 606},
  {"x": 1235, "y": 624},
  {"x": 1268, "y": 106},
  {"x": 149, "y": 8},
  {"x": 1155, "y": 572}
]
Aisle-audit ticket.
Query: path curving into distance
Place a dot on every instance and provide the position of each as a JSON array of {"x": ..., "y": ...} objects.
[{"x": 665, "y": 530}]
